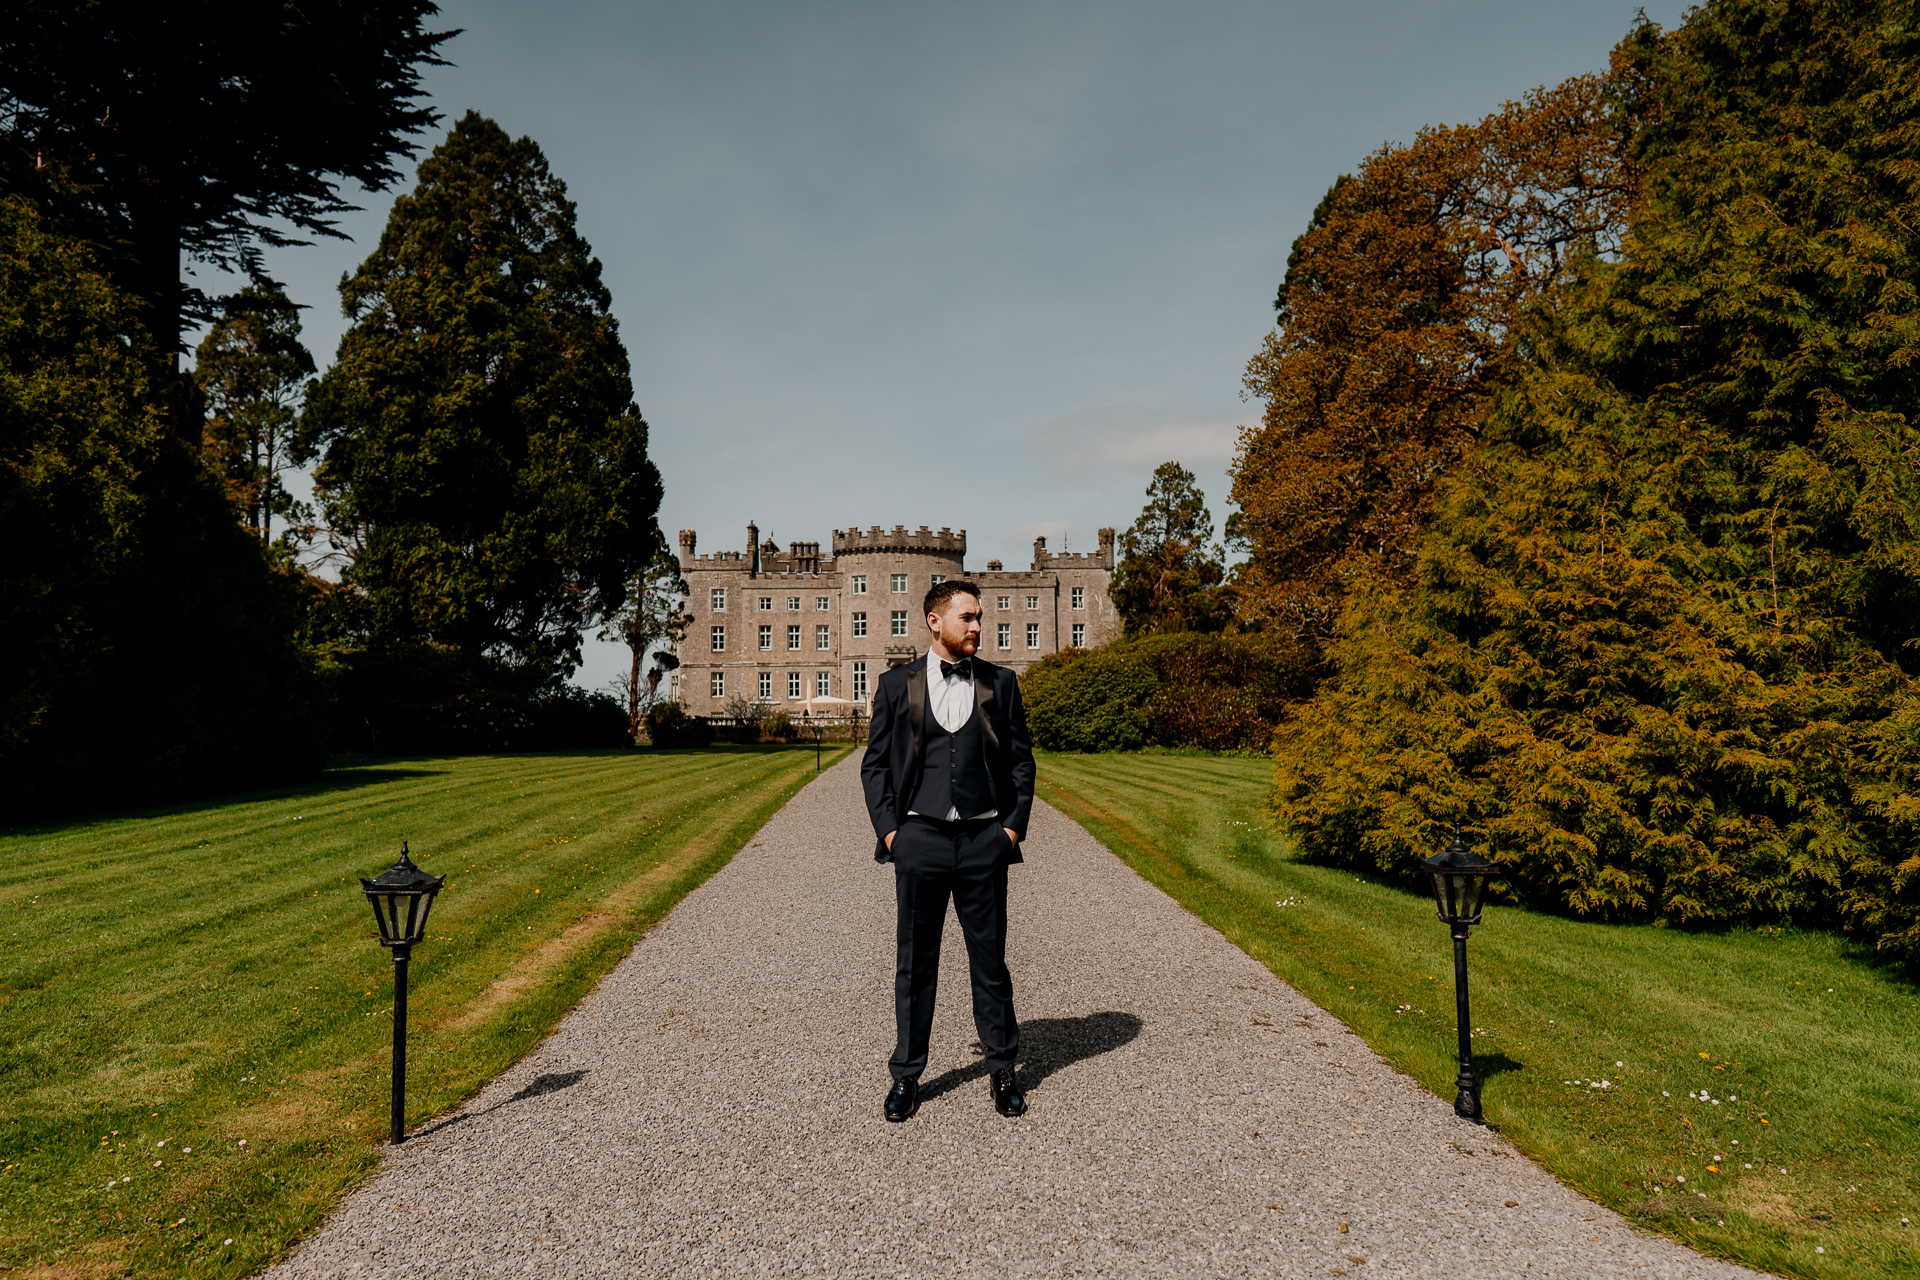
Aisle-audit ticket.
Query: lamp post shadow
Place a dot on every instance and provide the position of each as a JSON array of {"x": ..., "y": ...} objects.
[{"x": 552, "y": 1082}]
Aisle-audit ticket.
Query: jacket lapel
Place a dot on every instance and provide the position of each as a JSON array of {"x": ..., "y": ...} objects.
[
  {"x": 983, "y": 706},
  {"x": 917, "y": 707}
]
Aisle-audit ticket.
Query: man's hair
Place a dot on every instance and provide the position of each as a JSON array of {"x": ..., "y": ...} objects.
[{"x": 936, "y": 601}]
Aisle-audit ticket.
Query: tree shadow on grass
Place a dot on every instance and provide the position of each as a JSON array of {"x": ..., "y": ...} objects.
[
  {"x": 333, "y": 780},
  {"x": 1047, "y": 1045},
  {"x": 552, "y": 1082}
]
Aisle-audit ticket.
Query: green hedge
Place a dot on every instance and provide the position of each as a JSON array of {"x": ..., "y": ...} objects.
[{"x": 1223, "y": 692}]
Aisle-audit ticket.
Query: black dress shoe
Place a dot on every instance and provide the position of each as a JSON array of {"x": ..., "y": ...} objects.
[
  {"x": 903, "y": 1100},
  {"x": 1008, "y": 1100}
]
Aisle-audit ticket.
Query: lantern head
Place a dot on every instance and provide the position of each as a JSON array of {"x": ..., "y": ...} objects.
[
  {"x": 402, "y": 896},
  {"x": 1459, "y": 879}
]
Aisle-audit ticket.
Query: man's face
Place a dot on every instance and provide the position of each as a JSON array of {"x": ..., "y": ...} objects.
[{"x": 957, "y": 625}]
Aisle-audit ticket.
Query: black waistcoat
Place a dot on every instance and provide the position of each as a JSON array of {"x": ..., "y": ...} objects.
[{"x": 955, "y": 775}]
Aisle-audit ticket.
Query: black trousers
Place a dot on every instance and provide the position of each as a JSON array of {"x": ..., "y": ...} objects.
[{"x": 967, "y": 862}]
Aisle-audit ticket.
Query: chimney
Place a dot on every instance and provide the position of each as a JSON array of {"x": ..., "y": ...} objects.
[
  {"x": 1039, "y": 553},
  {"x": 753, "y": 549},
  {"x": 1106, "y": 548},
  {"x": 687, "y": 540}
]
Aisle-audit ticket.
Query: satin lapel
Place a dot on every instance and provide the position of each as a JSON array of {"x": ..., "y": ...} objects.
[
  {"x": 917, "y": 709},
  {"x": 983, "y": 704}
]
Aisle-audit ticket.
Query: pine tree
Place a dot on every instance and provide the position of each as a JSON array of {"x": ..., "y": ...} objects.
[
  {"x": 1170, "y": 571},
  {"x": 484, "y": 463},
  {"x": 253, "y": 370}
]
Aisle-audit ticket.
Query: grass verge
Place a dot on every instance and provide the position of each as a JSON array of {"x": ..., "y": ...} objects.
[
  {"x": 198, "y": 1018},
  {"x": 1748, "y": 1092}
]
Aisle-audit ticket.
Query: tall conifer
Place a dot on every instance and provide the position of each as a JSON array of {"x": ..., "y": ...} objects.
[{"x": 484, "y": 465}]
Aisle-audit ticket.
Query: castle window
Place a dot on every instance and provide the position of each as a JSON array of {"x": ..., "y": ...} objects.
[
  {"x": 859, "y": 682},
  {"x": 766, "y": 684},
  {"x": 1079, "y": 635},
  {"x": 1003, "y": 602},
  {"x": 899, "y": 627},
  {"x": 793, "y": 637},
  {"x": 1033, "y": 602},
  {"x": 766, "y": 637},
  {"x": 1079, "y": 597},
  {"x": 793, "y": 604},
  {"x": 822, "y": 684},
  {"x": 859, "y": 624},
  {"x": 1005, "y": 635},
  {"x": 766, "y": 604},
  {"x": 1033, "y": 635},
  {"x": 821, "y": 604},
  {"x": 899, "y": 584},
  {"x": 717, "y": 684},
  {"x": 793, "y": 685},
  {"x": 859, "y": 584},
  {"x": 717, "y": 598},
  {"x": 822, "y": 638},
  {"x": 939, "y": 578},
  {"x": 718, "y": 638}
]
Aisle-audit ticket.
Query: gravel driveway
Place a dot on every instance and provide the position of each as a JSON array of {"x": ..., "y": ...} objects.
[{"x": 713, "y": 1108}]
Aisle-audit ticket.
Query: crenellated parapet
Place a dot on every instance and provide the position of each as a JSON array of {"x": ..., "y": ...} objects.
[
  {"x": 899, "y": 539},
  {"x": 1101, "y": 559}
]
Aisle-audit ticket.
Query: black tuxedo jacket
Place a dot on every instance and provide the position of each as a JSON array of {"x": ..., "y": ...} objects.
[{"x": 897, "y": 747}]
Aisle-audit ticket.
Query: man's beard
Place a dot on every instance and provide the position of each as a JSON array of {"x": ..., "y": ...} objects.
[{"x": 963, "y": 644}]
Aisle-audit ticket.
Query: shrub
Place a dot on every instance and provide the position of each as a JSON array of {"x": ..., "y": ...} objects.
[
  {"x": 1223, "y": 692},
  {"x": 668, "y": 725},
  {"x": 435, "y": 700},
  {"x": 780, "y": 727}
]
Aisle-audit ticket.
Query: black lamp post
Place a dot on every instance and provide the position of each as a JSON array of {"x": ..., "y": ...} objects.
[
  {"x": 1459, "y": 879},
  {"x": 401, "y": 897}
]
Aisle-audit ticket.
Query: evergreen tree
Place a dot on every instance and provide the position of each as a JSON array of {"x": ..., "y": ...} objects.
[
  {"x": 1658, "y": 648},
  {"x": 483, "y": 459},
  {"x": 1170, "y": 571},
  {"x": 150, "y": 651},
  {"x": 253, "y": 369},
  {"x": 167, "y": 134}
]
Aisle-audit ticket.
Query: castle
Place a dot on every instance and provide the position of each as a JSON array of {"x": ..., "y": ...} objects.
[{"x": 780, "y": 627}]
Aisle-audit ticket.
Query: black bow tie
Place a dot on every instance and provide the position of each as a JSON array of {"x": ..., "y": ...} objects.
[{"x": 963, "y": 668}]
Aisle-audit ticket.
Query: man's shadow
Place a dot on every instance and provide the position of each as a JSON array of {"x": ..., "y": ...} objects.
[{"x": 1047, "y": 1045}]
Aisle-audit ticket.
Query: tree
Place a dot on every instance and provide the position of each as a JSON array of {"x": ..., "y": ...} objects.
[
  {"x": 655, "y": 617},
  {"x": 1170, "y": 570},
  {"x": 483, "y": 460},
  {"x": 1395, "y": 321},
  {"x": 1659, "y": 646},
  {"x": 167, "y": 134},
  {"x": 150, "y": 651},
  {"x": 253, "y": 369}
]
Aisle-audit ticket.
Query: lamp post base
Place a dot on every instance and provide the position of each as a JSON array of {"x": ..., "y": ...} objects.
[{"x": 1466, "y": 1105}]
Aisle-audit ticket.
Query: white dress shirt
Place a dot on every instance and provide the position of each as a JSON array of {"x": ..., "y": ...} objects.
[{"x": 950, "y": 699}]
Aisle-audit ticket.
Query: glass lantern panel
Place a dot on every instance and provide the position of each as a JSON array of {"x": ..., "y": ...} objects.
[
  {"x": 426, "y": 909},
  {"x": 396, "y": 917},
  {"x": 1471, "y": 888}
]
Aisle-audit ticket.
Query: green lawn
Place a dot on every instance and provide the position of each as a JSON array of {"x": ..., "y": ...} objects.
[
  {"x": 197, "y": 1018},
  {"x": 1809, "y": 1046}
]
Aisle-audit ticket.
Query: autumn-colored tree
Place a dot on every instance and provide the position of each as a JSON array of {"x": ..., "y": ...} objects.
[
  {"x": 1394, "y": 320},
  {"x": 1657, "y": 652},
  {"x": 253, "y": 369},
  {"x": 1170, "y": 571}
]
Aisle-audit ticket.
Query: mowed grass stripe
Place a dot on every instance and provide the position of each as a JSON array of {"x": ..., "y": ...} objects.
[
  {"x": 206, "y": 974},
  {"x": 1806, "y": 1041}
]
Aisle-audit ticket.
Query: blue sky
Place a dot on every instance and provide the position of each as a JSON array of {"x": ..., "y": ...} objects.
[{"x": 979, "y": 265}]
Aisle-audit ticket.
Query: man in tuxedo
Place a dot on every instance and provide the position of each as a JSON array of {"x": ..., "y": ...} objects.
[{"x": 948, "y": 776}]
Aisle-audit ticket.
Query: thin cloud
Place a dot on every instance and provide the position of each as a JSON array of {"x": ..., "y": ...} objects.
[{"x": 1128, "y": 439}]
